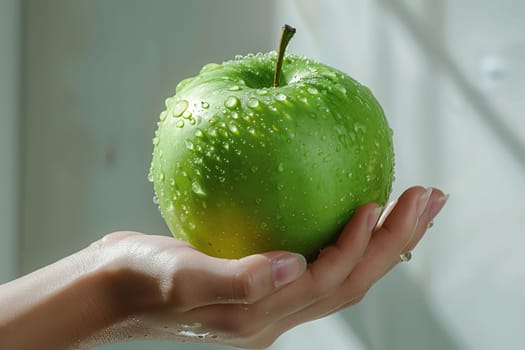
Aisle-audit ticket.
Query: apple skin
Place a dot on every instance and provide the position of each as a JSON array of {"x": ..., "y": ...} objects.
[{"x": 241, "y": 167}]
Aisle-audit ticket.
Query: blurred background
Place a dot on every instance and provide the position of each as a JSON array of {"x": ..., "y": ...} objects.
[{"x": 82, "y": 84}]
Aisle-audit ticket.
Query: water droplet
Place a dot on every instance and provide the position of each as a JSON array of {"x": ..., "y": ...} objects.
[
  {"x": 210, "y": 67},
  {"x": 341, "y": 88},
  {"x": 233, "y": 128},
  {"x": 280, "y": 187},
  {"x": 168, "y": 102},
  {"x": 359, "y": 127},
  {"x": 280, "y": 168},
  {"x": 258, "y": 200},
  {"x": 262, "y": 92},
  {"x": 180, "y": 123},
  {"x": 280, "y": 97},
  {"x": 330, "y": 74},
  {"x": 234, "y": 88},
  {"x": 231, "y": 102},
  {"x": 186, "y": 115},
  {"x": 254, "y": 169},
  {"x": 156, "y": 140},
  {"x": 179, "y": 108},
  {"x": 199, "y": 133},
  {"x": 251, "y": 130},
  {"x": 313, "y": 91},
  {"x": 150, "y": 175},
  {"x": 197, "y": 188},
  {"x": 264, "y": 225},
  {"x": 189, "y": 145},
  {"x": 163, "y": 115},
  {"x": 235, "y": 115},
  {"x": 303, "y": 99},
  {"x": 205, "y": 105},
  {"x": 155, "y": 200},
  {"x": 253, "y": 103}
]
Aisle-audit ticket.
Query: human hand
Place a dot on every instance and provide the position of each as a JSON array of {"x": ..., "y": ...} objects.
[{"x": 165, "y": 289}]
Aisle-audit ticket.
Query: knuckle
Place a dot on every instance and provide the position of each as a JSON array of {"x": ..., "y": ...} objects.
[{"x": 243, "y": 286}]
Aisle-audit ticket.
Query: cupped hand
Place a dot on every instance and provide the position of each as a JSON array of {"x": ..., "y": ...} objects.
[{"x": 165, "y": 289}]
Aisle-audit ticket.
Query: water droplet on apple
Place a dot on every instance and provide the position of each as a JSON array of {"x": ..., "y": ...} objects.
[
  {"x": 262, "y": 91},
  {"x": 359, "y": 127},
  {"x": 280, "y": 167},
  {"x": 251, "y": 130},
  {"x": 199, "y": 133},
  {"x": 210, "y": 67},
  {"x": 155, "y": 200},
  {"x": 186, "y": 115},
  {"x": 280, "y": 97},
  {"x": 179, "y": 108},
  {"x": 180, "y": 124},
  {"x": 189, "y": 145},
  {"x": 303, "y": 99},
  {"x": 234, "y": 88},
  {"x": 233, "y": 128},
  {"x": 212, "y": 132},
  {"x": 254, "y": 169},
  {"x": 258, "y": 200},
  {"x": 197, "y": 188},
  {"x": 238, "y": 57},
  {"x": 253, "y": 103},
  {"x": 205, "y": 105},
  {"x": 280, "y": 187},
  {"x": 150, "y": 175},
  {"x": 235, "y": 115},
  {"x": 168, "y": 102},
  {"x": 163, "y": 115},
  {"x": 341, "y": 88},
  {"x": 231, "y": 102},
  {"x": 313, "y": 91},
  {"x": 155, "y": 140}
]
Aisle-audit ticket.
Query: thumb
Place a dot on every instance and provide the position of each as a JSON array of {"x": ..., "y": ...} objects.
[{"x": 245, "y": 280}]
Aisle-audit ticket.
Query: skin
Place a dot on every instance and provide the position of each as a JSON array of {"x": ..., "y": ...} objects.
[{"x": 133, "y": 286}]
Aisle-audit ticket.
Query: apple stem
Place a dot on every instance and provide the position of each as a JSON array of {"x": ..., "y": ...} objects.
[{"x": 286, "y": 34}]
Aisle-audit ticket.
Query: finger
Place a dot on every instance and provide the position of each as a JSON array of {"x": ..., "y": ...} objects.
[
  {"x": 349, "y": 295},
  {"x": 336, "y": 261},
  {"x": 388, "y": 209},
  {"x": 389, "y": 241},
  {"x": 436, "y": 202},
  {"x": 206, "y": 280},
  {"x": 382, "y": 252}
]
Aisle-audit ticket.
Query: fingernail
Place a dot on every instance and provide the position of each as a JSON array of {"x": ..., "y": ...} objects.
[
  {"x": 436, "y": 205},
  {"x": 423, "y": 201},
  {"x": 287, "y": 268},
  {"x": 373, "y": 218}
]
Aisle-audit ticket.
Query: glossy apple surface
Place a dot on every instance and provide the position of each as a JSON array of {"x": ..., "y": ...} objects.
[{"x": 240, "y": 166}]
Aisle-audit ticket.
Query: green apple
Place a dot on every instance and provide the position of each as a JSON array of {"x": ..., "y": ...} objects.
[{"x": 248, "y": 160}]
